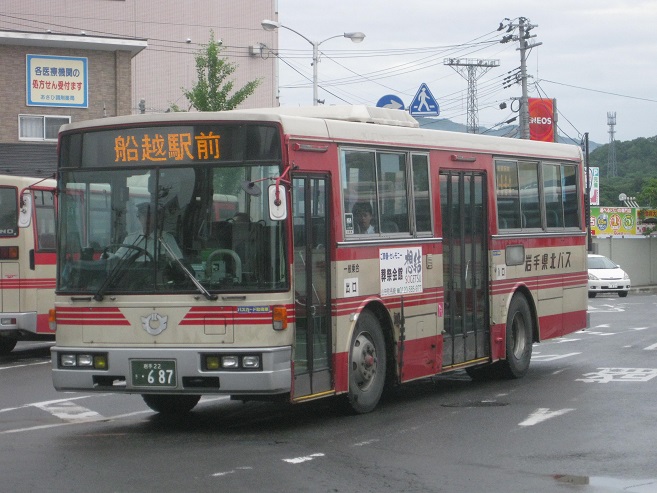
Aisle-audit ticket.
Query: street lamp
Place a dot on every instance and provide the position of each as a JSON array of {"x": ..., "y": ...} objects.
[{"x": 356, "y": 37}]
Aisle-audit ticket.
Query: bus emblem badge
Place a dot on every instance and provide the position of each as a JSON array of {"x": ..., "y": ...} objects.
[{"x": 154, "y": 323}]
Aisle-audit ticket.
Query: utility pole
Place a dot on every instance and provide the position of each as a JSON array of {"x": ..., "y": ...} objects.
[
  {"x": 471, "y": 70},
  {"x": 523, "y": 35},
  {"x": 524, "y": 26},
  {"x": 587, "y": 206},
  {"x": 611, "y": 157}
]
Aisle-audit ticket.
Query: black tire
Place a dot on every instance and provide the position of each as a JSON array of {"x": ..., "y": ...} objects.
[
  {"x": 7, "y": 344},
  {"x": 519, "y": 330},
  {"x": 367, "y": 364},
  {"x": 622, "y": 294},
  {"x": 592, "y": 295},
  {"x": 171, "y": 405}
]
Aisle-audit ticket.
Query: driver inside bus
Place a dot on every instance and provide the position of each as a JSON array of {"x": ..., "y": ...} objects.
[{"x": 146, "y": 240}]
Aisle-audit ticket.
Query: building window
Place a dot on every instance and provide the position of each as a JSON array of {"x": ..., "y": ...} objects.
[{"x": 40, "y": 127}]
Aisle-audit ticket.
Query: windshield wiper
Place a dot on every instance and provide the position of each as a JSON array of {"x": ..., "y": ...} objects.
[
  {"x": 190, "y": 276},
  {"x": 100, "y": 294}
]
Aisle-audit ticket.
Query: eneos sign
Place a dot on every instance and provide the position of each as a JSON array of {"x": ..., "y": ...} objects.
[{"x": 541, "y": 119}]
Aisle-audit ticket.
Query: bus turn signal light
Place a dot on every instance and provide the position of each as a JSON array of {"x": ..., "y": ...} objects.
[
  {"x": 279, "y": 318},
  {"x": 9, "y": 253},
  {"x": 52, "y": 319}
]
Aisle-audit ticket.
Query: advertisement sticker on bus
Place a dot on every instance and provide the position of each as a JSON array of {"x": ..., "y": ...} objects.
[{"x": 400, "y": 271}]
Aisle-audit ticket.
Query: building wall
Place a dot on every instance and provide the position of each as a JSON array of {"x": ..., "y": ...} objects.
[
  {"x": 109, "y": 87},
  {"x": 637, "y": 255},
  {"x": 161, "y": 71}
]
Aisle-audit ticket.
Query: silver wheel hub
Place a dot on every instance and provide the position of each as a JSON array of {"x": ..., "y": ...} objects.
[{"x": 364, "y": 361}]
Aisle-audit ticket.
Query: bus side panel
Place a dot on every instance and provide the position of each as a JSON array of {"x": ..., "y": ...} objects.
[
  {"x": 341, "y": 372},
  {"x": 10, "y": 279},
  {"x": 420, "y": 357}
]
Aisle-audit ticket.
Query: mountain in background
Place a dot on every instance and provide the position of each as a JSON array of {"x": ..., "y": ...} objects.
[
  {"x": 505, "y": 131},
  {"x": 636, "y": 162}
]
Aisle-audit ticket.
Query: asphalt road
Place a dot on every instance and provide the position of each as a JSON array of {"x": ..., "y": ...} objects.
[{"x": 582, "y": 420}]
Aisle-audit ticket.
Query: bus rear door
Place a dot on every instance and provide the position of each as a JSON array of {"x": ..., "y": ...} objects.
[{"x": 463, "y": 207}]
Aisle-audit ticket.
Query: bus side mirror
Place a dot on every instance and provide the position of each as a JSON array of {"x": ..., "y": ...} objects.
[
  {"x": 277, "y": 202},
  {"x": 25, "y": 212}
]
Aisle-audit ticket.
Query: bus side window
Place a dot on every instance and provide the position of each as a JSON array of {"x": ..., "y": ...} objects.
[
  {"x": 420, "y": 169},
  {"x": 507, "y": 194}
]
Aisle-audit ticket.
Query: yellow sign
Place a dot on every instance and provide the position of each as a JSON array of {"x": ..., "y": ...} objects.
[{"x": 613, "y": 221}]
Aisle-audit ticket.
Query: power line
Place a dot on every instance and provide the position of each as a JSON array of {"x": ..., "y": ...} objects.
[{"x": 600, "y": 91}]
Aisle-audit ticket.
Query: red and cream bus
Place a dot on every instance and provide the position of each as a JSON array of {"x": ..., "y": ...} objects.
[
  {"x": 476, "y": 251},
  {"x": 27, "y": 259}
]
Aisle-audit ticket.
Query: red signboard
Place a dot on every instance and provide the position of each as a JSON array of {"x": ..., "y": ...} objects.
[{"x": 541, "y": 119}]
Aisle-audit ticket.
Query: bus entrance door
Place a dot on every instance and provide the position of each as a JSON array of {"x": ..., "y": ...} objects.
[
  {"x": 312, "y": 351},
  {"x": 463, "y": 207}
]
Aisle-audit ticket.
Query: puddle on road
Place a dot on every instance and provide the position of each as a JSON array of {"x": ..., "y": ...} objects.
[{"x": 604, "y": 484}]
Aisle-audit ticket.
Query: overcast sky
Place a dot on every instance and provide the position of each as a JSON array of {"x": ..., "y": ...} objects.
[{"x": 597, "y": 56}]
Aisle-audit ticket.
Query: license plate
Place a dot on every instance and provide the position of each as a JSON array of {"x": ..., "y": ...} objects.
[
  {"x": 612, "y": 286},
  {"x": 153, "y": 373}
]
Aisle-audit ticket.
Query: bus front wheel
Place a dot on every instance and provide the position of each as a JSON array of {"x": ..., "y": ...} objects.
[
  {"x": 519, "y": 330},
  {"x": 171, "y": 405},
  {"x": 7, "y": 344},
  {"x": 367, "y": 364}
]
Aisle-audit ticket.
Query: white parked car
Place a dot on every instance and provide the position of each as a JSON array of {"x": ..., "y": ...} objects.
[{"x": 606, "y": 277}]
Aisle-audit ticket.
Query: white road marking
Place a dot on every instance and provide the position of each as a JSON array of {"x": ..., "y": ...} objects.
[
  {"x": 299, "y": 460},
  {"x": 232, "y": 471},
  {"x": 552, "y": 357},
  {"x": 44, "y": 403},
  {"x": 27, "y": 364},
  {"x": 69, "y": 411},
  {"x": 606, "y": 375},
  {"x": 69, "y": 423},
  {"x": 366, "y": 442},
  {"x": 559, "y": 341},
  {"x": 652, "y": 347},
  {"x": 543, "y": 414}
]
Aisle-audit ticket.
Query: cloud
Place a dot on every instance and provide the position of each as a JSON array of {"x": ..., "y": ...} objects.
[{"x": 602, "y": 45}]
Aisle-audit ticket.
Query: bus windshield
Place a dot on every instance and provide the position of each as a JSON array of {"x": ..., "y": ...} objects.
[
  {"x": 198, "y": 227},
  {"x": 9, "y": 214}
]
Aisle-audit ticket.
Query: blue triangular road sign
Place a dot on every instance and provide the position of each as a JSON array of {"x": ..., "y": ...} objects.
[{"x": 424, "y": 104}]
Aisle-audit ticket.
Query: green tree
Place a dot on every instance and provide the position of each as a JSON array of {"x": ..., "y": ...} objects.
[
  {"x": 212, "y": 91},
  {"x": 647, "y": 197}
]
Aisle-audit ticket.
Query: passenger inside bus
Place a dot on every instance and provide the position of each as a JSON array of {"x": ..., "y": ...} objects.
[{"x": 362, "y": 212}]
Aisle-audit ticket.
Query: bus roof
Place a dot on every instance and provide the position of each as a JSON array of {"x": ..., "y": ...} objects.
[
  {"x": 24, "y": 182},
  {"x": 357, "y": 124}
]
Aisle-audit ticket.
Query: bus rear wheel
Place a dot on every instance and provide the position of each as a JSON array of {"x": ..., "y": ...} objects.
[
  {"x": 171, "y": 405},
  {"x": 519, "y": 330},
  {"x": 367, "y": 364}
]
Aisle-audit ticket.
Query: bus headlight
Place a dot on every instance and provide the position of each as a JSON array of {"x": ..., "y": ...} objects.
[
  {"x": 235, "y": 362},
  {"x": 68, "y": 360},
  {"x": 85, "y": 360},
  {"x": 251, "y": 362},
  {"x": 230, "y": 362},
  {"x": 97, "y": 361}
]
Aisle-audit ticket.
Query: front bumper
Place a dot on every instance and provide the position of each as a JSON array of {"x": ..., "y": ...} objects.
[{"x": 273, "y": 377}]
